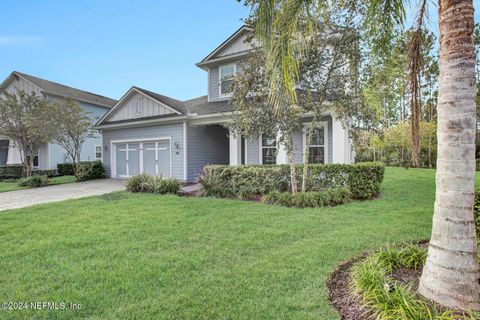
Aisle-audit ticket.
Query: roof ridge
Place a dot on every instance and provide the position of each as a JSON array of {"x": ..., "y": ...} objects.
[{"x": 61, "y": 84}]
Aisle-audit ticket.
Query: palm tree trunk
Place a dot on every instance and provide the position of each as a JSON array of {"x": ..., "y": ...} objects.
[{"x": 451, "y": 273}]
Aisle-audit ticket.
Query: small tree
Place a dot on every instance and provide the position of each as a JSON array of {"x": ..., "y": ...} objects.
[
  {"x": 73, "y": 129},
  {"x": 29, "y": 120}
]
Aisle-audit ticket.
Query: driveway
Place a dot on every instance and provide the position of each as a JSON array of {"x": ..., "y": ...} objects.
[{"x": 30, "y": 197}]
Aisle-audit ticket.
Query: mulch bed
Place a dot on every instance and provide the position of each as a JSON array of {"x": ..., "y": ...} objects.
[{"x": 348, "y": 304}]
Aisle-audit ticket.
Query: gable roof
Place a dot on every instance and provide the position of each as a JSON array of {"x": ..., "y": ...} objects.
[
  {"x": 64, "y": 91},
  {"x": 224, "y": 45},
  {"x": 172, "y": 103}
]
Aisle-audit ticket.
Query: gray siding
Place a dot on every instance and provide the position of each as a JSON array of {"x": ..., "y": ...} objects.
[
  {"x": 43, "y": 156},
  {"x": 175, "y": 131},
  {"x": 213, "y": 85},
  {"x": 3, "y": 152},
  {"x": 252, "y": 153},
  {"x": 206, "y": 145}
]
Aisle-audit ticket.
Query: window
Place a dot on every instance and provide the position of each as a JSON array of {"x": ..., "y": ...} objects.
[
  {"x": 98, "y": 152},
  {"x": 269, "y": 150},
  {"x": 316, "y": 152},
  {"x": 227, "y": 73}
]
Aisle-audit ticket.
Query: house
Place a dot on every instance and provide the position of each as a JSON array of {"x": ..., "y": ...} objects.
[
  {"x": 151, "y": 133},
  {"x": 50, "y": 154}
]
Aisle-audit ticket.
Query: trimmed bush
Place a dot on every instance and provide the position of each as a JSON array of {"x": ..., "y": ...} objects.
[
  {"x": 10, "y": 172},
  {"x": 34, "y": 181},
  {"x": 311, "y": 199},
  {"x": 65, "y": 169},
  {"x": 363, "y": 180},
  {"x": 41, "y": 172},
  {"x": 150, "y": 184},
  {"x": 88, "y": 170}
]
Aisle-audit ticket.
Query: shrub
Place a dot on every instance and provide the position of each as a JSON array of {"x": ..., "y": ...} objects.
[
  {"x": 41, "y": 172},
  {"x": 65, "y": 169},
  {"x": 88, "y": 170},
  {"x": 150, "y": 184},
  {"x": 247, "y": 193},
  {"x": 311, "y": 199},
  {"x": 34, "y": 182},
  {"x": 271, "y": 197},
  {"x": 10, "y": 172},
  {"x": 387, "y": 298},
  {"x": 363, "y": 180}
]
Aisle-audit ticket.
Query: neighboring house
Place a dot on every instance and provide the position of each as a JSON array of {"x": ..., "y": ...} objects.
[
  {"x": 50, "y": 154},
  {"x": 151, "y": 133}
]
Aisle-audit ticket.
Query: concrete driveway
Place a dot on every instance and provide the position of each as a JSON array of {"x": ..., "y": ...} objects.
[{"x": 30, "y": 197}]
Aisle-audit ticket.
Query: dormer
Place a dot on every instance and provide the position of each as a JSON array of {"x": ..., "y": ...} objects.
[{"x": 223, "y": 62}]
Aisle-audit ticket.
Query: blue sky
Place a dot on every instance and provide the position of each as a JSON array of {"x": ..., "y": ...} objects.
[{"x": 106, "y": 46}]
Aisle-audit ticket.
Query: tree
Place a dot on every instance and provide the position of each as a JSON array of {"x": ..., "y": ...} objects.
[
  {"x": 73, "y": 129},
  {"x": 451, "y": 273},
  {"x": 254, "y": 115},
  {"x": 29, "y": 120}
]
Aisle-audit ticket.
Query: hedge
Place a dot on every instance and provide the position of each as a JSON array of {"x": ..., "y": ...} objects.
[
  {"x": 65, "y": 169},
  {"x": 10, "y": 172},
  {"x": 363, "y": 180},
  {"x": 44, "y": 172},
  {"x": 152, "y": 184},
  {"x": 88, "y": 170}
]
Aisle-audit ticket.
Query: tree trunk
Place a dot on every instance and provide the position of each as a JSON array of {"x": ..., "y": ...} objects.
[
  {"x": 291, "y": 161},
  {"x": 415, "y": 124},
  {"x": 451, "y": 273}
]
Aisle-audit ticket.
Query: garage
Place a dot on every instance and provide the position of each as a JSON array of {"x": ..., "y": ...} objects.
[{"x": 131, "y": 158}]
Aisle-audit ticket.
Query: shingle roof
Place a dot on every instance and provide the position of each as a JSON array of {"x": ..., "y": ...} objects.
[
  {"x": 61, "y": 90},
  {"x": 174, "y": 103},
  {"x": 201, "y": 106}
]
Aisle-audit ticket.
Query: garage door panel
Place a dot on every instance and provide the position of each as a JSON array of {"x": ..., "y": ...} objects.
[
  {"x": 121, "y": 162},
  {"x": 149, "y": 163}
]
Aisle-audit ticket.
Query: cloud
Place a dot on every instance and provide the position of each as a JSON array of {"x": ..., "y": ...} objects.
[{"x": 11, "y": 41}]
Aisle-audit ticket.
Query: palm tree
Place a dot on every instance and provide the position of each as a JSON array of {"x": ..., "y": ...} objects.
[{"x": 451, "y": 274}]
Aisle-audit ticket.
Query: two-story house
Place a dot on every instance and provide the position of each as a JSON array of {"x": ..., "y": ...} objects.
[
  {"x": 151, "y": 133},
  {"x": 50, "y": 154}
]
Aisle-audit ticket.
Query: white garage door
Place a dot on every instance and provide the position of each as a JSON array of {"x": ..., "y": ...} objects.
[{"x": 132, "y": 158}]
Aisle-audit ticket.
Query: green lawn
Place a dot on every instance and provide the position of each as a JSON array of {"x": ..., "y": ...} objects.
[
  {"x": 12, "y": 185},
  {"x": 140, "y": 256}
]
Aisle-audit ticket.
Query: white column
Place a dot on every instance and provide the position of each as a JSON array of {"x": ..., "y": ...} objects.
[
  {"x": 235, "y": 143},
  {"x": 281, "y": 152},
  {"x": 340, "y": 142},
  {"x": 14, "y": 156}
]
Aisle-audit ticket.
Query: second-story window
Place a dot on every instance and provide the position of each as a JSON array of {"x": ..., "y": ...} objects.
[{"x": 227, "y": 74}]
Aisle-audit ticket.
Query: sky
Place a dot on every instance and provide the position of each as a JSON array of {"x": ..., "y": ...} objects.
[{"x": 107, "y": 46}]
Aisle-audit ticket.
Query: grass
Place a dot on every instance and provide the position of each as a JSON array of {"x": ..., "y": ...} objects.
[
  {"x": 144, "y": 256},
  {"x": 6, "y": 186}
]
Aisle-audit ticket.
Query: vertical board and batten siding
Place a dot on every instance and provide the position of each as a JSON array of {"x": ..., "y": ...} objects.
[
  {"x": 206, "y": 145},
  {"x": 19, "y": 84},
  {"x": 148, "y": 108},
  {"x": 174, "y": 131},
  {"x": 58, "y": 155}
]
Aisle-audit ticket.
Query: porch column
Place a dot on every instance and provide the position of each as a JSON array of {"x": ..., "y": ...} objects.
[
  {"x": 281, "y": 152},
  {"x": 235, "y": 146}
]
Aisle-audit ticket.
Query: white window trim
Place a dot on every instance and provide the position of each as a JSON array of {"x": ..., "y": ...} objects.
[
  {"x": 95, "y": 152},
  {"x": 226, "y": 95},
  {"x": 113, "y": 164},
  {"x": 325, "y": 134},
  {"x": 261, "y": 147}
]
